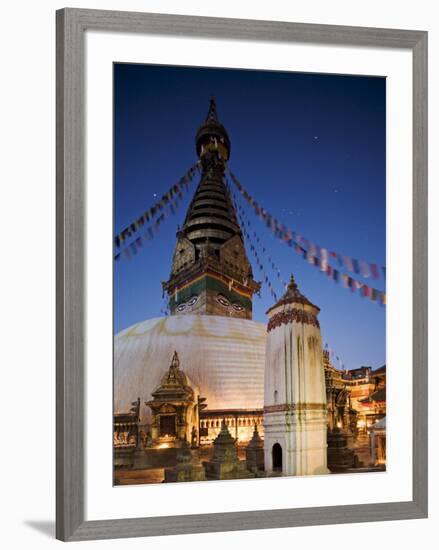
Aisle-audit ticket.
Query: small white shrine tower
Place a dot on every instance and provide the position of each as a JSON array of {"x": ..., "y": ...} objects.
[{"x": 294, "y": 395}]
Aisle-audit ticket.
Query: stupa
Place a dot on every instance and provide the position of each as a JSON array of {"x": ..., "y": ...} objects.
[
  {"x": 225, "y": 463},
  {"x": 295, "y": 415},
  {"x": 188, "y": 467},
  {"x": 254, "y": 453},
  {"x": 210, "y": 289}
]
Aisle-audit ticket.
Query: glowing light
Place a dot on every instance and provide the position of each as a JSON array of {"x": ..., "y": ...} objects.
[{"x": 163, "y": 446}]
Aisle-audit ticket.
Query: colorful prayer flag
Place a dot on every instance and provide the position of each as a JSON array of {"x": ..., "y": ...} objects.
[
  {"x": 348, "y": 263},
  {"x": 374, "y": 271},
  {"x": 364, "y": 268}
]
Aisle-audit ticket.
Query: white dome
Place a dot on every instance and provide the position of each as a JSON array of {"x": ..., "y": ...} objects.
[{"x": 223, "y": 356}]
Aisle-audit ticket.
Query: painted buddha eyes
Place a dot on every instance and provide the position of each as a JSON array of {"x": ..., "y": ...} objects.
[
  {"x": 193, "y": 300},
  {"x": 225, "y": 302}
]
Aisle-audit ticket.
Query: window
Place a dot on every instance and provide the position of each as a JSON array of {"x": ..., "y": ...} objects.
[{"x": 167, "y": 425}]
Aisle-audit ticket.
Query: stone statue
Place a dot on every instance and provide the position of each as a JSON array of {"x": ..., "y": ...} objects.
[{"x": 194, "y": 438}]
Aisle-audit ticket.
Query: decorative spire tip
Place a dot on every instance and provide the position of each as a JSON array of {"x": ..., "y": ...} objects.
[
  {"x": 175, "y": 360},
  {"x": 212, "y": 113}
]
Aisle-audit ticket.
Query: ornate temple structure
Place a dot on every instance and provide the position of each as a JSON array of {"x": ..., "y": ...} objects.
[
  {"x": 175, "y": 408},
  {"x": 338, "y": 399},
  {"x": 295, "y": 415},
  {"x": 356, "y": 407},
  {"x": 211, "y": 274},
  {"x": 356, "y": 398}
]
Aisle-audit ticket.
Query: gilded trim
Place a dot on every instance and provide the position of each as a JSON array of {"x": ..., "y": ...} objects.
[{"x": 238, "y": 288}]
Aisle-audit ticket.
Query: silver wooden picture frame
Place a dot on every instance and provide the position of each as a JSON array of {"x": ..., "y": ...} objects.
[{"x": 71, "y": 25}]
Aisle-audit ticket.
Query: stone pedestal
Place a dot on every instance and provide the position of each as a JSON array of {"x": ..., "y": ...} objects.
[
  {"x": 139, "y": 455},
  {"x": 225, "y": 463},
  {"x": 254, "y": 453},
  {"x": 188, "y": 467},
  {"x": 340, "y": 457},
  {"x": 123, "y": 458}
]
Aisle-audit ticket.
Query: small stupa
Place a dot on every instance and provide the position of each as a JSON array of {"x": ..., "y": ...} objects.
[
  {"x": 188, "y": 467},
  {"x": 254, "y": 453},
  {"x": 225, "y": 463}
]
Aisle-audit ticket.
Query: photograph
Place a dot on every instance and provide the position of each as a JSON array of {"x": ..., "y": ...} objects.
[
  {"x": 230, "y": 207},
  {"x": 249, "y": 274}
]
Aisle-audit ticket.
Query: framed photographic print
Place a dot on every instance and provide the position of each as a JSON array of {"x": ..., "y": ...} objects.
[{"x": 241, "y": 274}]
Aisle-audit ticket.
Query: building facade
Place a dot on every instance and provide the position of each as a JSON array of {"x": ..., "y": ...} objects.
[{"x": 356, "y": 398}]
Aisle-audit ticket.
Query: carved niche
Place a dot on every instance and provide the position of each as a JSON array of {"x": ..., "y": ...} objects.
[
  {"x": 233, "y": 254},
  {"x": 184, "y": 254}
]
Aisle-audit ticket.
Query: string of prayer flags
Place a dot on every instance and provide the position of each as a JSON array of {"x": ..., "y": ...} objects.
[
  {"x": 374, "y": 271},
  {"x": 131, "y": 249},
  {"x": 261, "y": 268},
  {"x": 246, "y": 221},
  {"x": 164, "y": 310},
  {"x": 334, "y": 274},
  {"x": 353, "y": 265},
  {"x": 366, "y": 291},
  {"x": 254, "y": 251},
  {"x": 148, "y": 215}
]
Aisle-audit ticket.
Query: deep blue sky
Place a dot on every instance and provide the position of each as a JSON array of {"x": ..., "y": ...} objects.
[{"x": 310, "y": 148}]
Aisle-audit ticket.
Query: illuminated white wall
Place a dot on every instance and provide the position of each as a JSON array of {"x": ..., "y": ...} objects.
[{"x": 223, "y": 356}]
